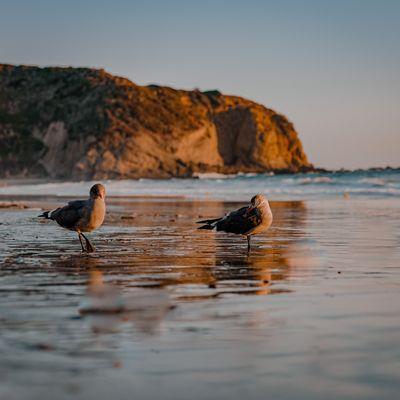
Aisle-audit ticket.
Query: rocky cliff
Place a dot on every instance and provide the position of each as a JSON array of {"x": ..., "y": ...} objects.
[{"x": 84, "y": 123}]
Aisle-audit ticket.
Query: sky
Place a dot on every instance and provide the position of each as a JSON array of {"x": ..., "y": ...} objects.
[{"x": 332, "y": 67}]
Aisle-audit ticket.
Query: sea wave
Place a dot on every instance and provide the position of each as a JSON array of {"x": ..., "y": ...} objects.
[
  {"x": 229, "y": 187},
  {"x": 317, "y": 179},
  {"x": 373, "y": 181},
  {"x": 213, "y": 175},
  {"x": 216, "y": 175}
]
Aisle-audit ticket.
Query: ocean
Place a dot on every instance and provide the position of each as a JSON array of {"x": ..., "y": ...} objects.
[{"x": 240, "y": 187}]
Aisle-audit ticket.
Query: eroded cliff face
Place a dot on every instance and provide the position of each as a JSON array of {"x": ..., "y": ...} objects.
[{"x": 80, "y": 123}]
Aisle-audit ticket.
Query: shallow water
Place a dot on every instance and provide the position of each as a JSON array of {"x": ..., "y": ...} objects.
[{"x": 164, "y": 310}]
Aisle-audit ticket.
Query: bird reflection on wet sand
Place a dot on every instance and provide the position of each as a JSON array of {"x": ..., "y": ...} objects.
[
  {"x": 107, "y": 306},
  {"x": 140, "y": 248}
]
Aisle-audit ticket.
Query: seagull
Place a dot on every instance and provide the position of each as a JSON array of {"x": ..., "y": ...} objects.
[
  {"x": 82, "y": 215},
  {"x": 247, "y": 221}
]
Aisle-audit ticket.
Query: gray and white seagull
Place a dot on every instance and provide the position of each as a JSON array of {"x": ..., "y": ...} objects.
[
  {"x": 82, "y": 215},
  {"x": 247, "y": 221}
]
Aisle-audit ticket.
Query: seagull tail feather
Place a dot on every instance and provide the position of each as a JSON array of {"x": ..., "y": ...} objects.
[
  {"x": 45, "y": 215},
  {"x": 208, "y": 221},
  {"x": 207, "y": 226}
]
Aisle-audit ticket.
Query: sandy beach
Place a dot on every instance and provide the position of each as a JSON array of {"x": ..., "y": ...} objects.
[{"x": 164, "y": 310}]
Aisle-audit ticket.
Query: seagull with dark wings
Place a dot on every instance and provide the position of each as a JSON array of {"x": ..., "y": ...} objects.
[
  {"x": 247, "y": 221},
  {"x": 82, "y": 215}
]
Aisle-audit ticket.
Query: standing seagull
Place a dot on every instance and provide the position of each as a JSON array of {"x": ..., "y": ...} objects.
[
  {"x": 82, "y": 215},
  {"x": 246, "y": 221}
]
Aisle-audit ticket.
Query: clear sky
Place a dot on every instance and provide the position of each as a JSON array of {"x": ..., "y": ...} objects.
[{"x": 332, "y": 67}]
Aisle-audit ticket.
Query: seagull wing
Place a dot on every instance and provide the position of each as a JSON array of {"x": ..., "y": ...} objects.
[
  {"x": 69, "y": 215},
  {"x": 240, "y": 221},
  {"x": 78, "y": 204}
]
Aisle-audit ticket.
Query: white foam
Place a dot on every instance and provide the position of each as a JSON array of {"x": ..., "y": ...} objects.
[
  {"x": 317, "y": 179},
  {"x": 213, "y": 175}
]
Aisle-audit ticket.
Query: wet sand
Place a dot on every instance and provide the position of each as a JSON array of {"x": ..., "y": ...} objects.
[{"x": 162, "y": 310}]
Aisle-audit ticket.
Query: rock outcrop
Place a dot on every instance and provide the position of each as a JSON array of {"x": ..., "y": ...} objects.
[{"x": 80, "y": 123}]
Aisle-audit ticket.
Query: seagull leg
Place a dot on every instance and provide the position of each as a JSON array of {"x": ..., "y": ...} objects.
[
  {"x": 248, "y": 244},
  {"x": 89, "y": 246},
  {"x": 80, "y": 239}
]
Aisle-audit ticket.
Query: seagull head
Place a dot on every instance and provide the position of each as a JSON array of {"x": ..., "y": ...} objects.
[
  {"x": 258, "y": 200},
  {"x": 97, "y": 191}
]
